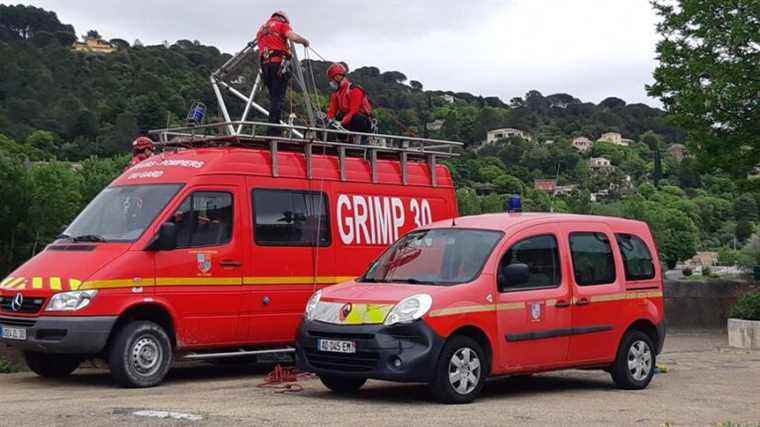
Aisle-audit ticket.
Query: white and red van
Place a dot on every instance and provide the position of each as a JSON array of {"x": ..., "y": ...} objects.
[
  {"x": 457, "y": 301},
  {"x": 212, "y": 252}
]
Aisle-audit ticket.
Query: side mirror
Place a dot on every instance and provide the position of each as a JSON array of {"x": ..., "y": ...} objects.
[
  {"x": 513, "y": 275},
  {"x": 166, "y": 239}
]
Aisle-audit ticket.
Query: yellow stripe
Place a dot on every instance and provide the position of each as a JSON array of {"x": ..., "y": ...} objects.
[
  {"x": 295, "y": 280},
  {"x": 6, "y": 281},
  {"x": 462, "y": 310},
  {"x": 511, "y": 306},
  {"x": 55, "y": 284},
  {"x": 198, "y": 281},
  {"x": 75, "y": 284},
  {"x": 608, "y": 297},
  {"x": 110, "y": 284},
  {"x": 36, "y": 282},
  {"x": 19, "y": 283},
  {"x": 650, "y": 294}
]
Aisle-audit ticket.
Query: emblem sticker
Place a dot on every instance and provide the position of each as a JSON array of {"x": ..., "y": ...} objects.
[
  {"x": 345, "y": 311},
  {"x": 204, "y": 262},
  {"x": 536, "y": 311}
]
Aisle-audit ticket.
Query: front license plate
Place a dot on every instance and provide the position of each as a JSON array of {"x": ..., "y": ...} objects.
[
  {"x": 336, "y": 346},
  {"x": 14, "y": 333}
]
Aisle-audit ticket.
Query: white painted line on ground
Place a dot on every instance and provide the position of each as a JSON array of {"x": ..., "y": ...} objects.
[{"x": 168, "y": 414}]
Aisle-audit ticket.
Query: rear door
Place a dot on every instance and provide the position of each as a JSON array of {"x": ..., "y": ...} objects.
[
  {"x": 202, "y": 277},
  {"x": 290, "y": 259},
  {"x": 533, "y": 318},
  {"x": 598, "y": 310}
]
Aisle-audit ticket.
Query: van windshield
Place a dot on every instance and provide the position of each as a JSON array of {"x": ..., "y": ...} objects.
[
  {"x": 120, "y": 214},
  {"x": 435, "y": 257}
]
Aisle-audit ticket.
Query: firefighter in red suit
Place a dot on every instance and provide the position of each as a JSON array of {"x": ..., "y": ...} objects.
[
  {"x": 349, "y": 102},
  {"x": 273, "y": 40},
  {"x": 142, "y": 148}
]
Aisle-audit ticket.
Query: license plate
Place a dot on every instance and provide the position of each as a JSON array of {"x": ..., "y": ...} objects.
[
  {"x": 336, "y": 346},
  {"x": 14, "y": 333}
]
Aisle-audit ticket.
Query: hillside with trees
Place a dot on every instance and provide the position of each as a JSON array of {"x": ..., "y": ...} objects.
[{"x": 67, "y": 120}]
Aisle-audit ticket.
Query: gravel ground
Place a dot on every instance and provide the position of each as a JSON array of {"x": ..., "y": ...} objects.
[{"x": 707, "y": 384}]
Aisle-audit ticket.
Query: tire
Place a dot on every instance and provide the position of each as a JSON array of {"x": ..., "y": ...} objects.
[
  {"x": 461, "y": 371},
  {"x": 635, "y": 363},
  {"x": 51, "y": 365},
  {"x": 342, "y": 384},
  {"x": 140, "y": 355}
]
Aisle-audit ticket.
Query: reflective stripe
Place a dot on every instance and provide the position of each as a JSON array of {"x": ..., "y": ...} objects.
[
  {"x": 74, "y": 284},
  {"x": 19, "y": 283},
  {"x": 55, "y": 284},
  {"x": 36, "y": 282},
  {"x": 463, "y": 310},
  {"x": 6, "y": 281},
  {"x": 296, "y": 280},
  {"x": 199, "y": 281}
]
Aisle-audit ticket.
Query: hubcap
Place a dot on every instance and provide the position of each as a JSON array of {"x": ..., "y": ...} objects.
[
  {"x": 146, "y": 356},
  {"x": 464, "y": 370},
  {"x": 639, "y": 360}
]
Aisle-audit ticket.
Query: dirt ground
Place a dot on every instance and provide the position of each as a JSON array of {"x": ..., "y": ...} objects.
[{"x": 707, "y": 383}]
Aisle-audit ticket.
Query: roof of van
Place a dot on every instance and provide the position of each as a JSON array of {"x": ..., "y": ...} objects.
[
  {"x": 504, "y": 221},
  {"x": 179, "y": 166}
]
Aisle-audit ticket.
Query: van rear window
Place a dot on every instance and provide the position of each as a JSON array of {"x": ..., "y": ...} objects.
[
  {"x": 637, "y": 258},
  {"x": 290, "y": 218},
  {"x": 593, "y": 262}
]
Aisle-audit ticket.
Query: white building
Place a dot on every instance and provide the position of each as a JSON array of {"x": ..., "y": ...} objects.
[
  {"x": 435, "y": 125},
  {"x": 600, "y": 163},
  {"x": 614, "y": 138},
  {"x": 497, "y": 134},
  {"x": 448, "y": 98}
]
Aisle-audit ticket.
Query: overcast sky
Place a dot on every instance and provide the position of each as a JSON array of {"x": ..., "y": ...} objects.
[{"x": 591, "y": 49}]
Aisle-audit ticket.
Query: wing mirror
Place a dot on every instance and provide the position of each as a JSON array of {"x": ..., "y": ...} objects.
[
  {"x": 513, "y": 276},
  {"x": 166, "y": 239}
]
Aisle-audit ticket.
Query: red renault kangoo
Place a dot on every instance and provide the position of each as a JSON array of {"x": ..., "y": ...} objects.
[{"x": 455, "y": 302}]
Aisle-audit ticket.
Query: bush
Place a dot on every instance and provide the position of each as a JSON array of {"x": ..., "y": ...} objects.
[
  {"x": 747, "y": 307},
  {"x": 706, "y": 271},
  {"x": 687, "y": 271},
  {"x": 6, "y": 367}
]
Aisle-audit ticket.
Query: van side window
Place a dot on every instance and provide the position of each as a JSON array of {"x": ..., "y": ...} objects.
[
  {"x": 290, "y": 218},
  {"x": 593, "y": 262},
  {"x": 636, "y": 257},
  {"x": 204, "y": 219},
  {"x": 541, "y": 255}
]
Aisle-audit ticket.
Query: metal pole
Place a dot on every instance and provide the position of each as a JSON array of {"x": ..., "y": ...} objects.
[
  {"x": 222, "y": 105},
  {"x": 302, "y": 82},
  {"x": 250, "y": 99},
  {"x": 255, "y": 105}
]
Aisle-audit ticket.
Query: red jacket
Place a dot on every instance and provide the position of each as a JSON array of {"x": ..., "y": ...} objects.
[
  {"x": 273, "y": 37},
  {"x": 349, "y": 100}
]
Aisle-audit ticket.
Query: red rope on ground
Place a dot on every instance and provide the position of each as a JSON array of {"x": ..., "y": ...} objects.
[{"x": 284, "y": 379}]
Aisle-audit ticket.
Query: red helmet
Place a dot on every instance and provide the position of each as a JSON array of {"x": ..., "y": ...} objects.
[
  {"x": 336, "y": 69},
  {"x": 282, "y": 15},
  {"x": 142, "y": 143}
]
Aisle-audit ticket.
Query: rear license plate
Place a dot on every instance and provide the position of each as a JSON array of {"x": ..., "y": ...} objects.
[
  {"x": 14, "y": 333},
  {"x": 336, "y": 346}
]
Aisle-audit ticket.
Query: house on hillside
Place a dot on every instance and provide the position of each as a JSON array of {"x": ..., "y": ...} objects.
[
  {"x": 545, "y": 185},
  {"x": 582, "y": 144},
  {"x": 93, "y": 45},
  {"x": 449, "y": 99},
  {"x": 600, "y": 164},
  {"x": 497, "y": 134},
  {"x": 614, "y": 138},
  {"x": 563, "y": 190},
  {"x": 435, "y": 125},
  {"x": 678, "y": 151}
]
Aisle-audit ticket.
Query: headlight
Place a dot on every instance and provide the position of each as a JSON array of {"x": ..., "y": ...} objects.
[
  {"x": 311, "y": 306},
  {"x": 71, "y": 301},
  {"x": 409, "y": 309}
]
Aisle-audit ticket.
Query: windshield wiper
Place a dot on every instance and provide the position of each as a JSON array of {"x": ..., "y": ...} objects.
[
  {"x": 63, "y": 236},
  {"x": 368, "y": 280},
  {"x": 89, "y": 238},
  {"x": 413, "y": 281}
]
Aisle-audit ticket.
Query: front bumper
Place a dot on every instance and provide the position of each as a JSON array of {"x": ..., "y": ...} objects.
[
  {"x": 61, "y": 335},
  {"x": 415, "y": 345}
]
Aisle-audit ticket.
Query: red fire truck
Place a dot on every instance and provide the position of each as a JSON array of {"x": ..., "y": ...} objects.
[{"x": 212, "y": 248}]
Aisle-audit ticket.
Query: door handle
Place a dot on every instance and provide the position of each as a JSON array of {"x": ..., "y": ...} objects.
[
  {"x": 562, "y": 303},
  {"x": 230, "y": 263},
  {"x": 583, "y": 301}
]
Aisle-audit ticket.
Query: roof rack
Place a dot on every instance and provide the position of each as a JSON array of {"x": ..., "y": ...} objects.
[{"x": 341, "y": 142}]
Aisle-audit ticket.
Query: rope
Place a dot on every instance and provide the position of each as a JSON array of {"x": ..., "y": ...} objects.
[
  {"x": 317, "y": 53},
  {"x": 284, "y": 379}
]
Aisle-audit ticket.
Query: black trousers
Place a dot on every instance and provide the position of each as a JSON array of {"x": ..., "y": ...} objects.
[
  {"x": 277, "y": 85},
  {"x": 360, "y": 123}
]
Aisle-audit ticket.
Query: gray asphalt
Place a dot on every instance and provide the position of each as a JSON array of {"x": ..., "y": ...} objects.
[{"x": 707, "y": 383}]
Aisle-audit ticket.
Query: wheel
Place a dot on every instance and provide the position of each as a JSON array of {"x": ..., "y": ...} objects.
[
  {"x": 342, "y": 384},
  {"x": 633, "y": 368},
  {"x": 140, "y": 355},
  {"x": 51, "y": 365},
  {"x": 460, "y": 374}
]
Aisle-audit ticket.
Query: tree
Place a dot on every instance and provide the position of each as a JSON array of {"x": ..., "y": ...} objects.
[
  {"x": 93, "y": 34},
  {"x": 745, "y": 208},
  {"x": 416, "y": 85},
  {"x": 508, "y": 184},
  {"x": 676, "y": 235},
  {"x": 709, "y": 61},
  {"x": 743, "y": 231},
  {"x": 468, "y": 202}
]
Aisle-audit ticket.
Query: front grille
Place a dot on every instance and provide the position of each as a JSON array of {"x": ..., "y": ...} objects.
[
  {"x": 341, "y": 335},
  {"x": 30, "y": 305},
  {"x": 361, "y": 361},
  {"x": 17, "y": 321}
]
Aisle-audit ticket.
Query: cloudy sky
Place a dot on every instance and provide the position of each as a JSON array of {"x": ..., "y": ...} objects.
[{"x": 591, "y": 49}]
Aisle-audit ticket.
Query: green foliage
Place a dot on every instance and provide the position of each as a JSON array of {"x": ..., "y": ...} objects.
[
  {"x": 6, "y": 367},
  {"x": 728, "y": 256},
  {"x": 747, "y": 307},
  {"x": 508, "y": 184},
  {"x": 707, "y": 55},
  {"x": 750, "y": 253}
]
